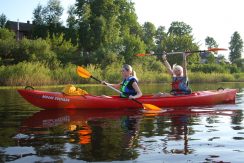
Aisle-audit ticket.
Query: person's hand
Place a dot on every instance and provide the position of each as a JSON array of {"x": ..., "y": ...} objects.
[
  {"x": 164, "y": 57},
  {"x": 103, "y": 82},
  {"x": 186, "y": 53},
  {"x": 131, "y": 97}
]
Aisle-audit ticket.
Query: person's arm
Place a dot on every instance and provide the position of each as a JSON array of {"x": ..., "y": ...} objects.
[
  {"x": 117, "y": 86},
  {"x": 167, "y": 65},
  {"x": 137, "y": 89},
  {"x": 184, "y": 64}
]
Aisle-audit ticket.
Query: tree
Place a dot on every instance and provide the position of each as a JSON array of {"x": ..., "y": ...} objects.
[
  {"x": 71, "y": 20},
  {"x": 236, "y": 47},
  {"x": 66, "y": 52},
  {"x": 210, "y": 42},
  {"x": 149, "y": 32},
  {"x": 179, "y": 29},
  {"x": 180, "y": 38},
  {"x": 128, "y": 19},
  {"x": 38, "y": 16},
  {"x": 133, "y": 45},
  {"x": 106, "y": 24},
  {"x": 52, "y": 12},
  {"x": 180, "y": 43},
  {"x": 7, "y": 44},
  {"x": 161, "y": 35},
  {"x": 3, "y": 20}
]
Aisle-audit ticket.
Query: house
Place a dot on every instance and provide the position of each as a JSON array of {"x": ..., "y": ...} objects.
[{"x": 22, "y": 30}]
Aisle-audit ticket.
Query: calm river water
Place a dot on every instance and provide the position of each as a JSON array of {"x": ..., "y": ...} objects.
[{"x": 196, "y": 134}]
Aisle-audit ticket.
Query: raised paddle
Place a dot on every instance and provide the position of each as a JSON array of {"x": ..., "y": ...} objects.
[
  {"x": 194, "y": 51},
  {"x": 86, "y": 74}
]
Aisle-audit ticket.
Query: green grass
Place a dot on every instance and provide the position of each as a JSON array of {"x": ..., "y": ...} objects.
[{"x": 37, "y": 74}]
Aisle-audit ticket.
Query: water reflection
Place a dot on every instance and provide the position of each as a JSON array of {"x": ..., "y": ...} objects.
[
  {"x": 173, "y": 128},
  {"x": 98, "y": 135},
  {"x": 90, "y": 135}
]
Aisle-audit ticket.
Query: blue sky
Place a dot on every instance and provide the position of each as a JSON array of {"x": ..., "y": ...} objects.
[
  {"x": 215, "y": 18},
  {"x": 23, "y": 9}
]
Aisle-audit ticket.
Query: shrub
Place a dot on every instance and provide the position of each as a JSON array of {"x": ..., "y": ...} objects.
[{"x": 25, "y": 73}]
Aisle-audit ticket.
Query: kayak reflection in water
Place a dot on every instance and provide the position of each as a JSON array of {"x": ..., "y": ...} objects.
[
  {"x": 129, "y": 86},
  {"x": 85, "y": 132},
  {"x": 179, "y": 78}
]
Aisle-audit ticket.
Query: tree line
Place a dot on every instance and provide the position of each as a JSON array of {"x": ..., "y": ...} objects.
[{"x": 105, "y": 32}]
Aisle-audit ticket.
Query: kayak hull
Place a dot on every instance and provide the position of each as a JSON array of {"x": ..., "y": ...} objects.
[{"x": 54, "y": 100}]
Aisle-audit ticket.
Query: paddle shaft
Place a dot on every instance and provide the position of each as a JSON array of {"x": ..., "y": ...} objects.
[
  {"x": 115, "y": 89},
  {"x": 196, "y": 51},
  {"x": 106, "y": 85}
]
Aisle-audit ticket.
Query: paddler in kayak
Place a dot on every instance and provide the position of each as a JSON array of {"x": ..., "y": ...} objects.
[
  {"x": 179, "y": 78},
  {"x": 129, "y": 86}
]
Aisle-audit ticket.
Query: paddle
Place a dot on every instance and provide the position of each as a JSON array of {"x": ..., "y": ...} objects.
[
  {"x": 86, "y": 74},
  {"x": 194, "y": 51}
]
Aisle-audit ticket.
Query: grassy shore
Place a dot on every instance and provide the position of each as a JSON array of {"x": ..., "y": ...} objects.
[{"x": 36, "y": 74}]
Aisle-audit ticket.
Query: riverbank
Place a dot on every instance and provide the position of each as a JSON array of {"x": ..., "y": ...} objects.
[{"x": 37, "y": 74}]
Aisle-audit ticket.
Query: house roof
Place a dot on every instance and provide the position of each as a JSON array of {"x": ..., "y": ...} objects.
[{"x": 22, "y": 26}]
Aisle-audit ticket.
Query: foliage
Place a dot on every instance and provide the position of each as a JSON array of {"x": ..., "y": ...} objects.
[
  {"x": 47, "y": 21},
  {"x": 160, "y": 36},
  {"x": 25, "y": 73},
  {"x": 149, "y": 32},
  {"x": 35, "y": 50},
  {"x": 103, "y": 35},
  {"x": 149, "y": 63},
  {"x": 127, "y": 18},
  {"x": 52, "y": 12},
  {"x": 6, "y": 34},
  {"x": 112, "y": 73},
  {"x": 66, "y": 75},
  {"x": 201, "y": 77},
  {"x": 216, "y": 68},
  {"x": 3, "y": 20},
  {"x": 236, "y": 48},
  {"x": 36, "y": 73},
  {"x": 38, "y": 15},
  {"x": 110, "y": 25},
  {"x": 210, "y": 42},
  {"x": 210, "y": 58},
  {"x": 180, "y": 43},
  {"x": 7, "y": 45},
  {"x": 179, "y": 29},
  {"x": 71, "y": 20},
  {"x": 65, "y": 51},
  {"x": 7, "y": 48},
  {"x": 132, "y": 45},
  {"x": 98, "y": 24}
]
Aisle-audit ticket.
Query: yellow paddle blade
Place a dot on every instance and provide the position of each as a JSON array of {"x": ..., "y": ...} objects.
[
  {"x": 216, "y": 49},
  {"x": 150, "y": 107},
  {"x": 83, "y": 72}
]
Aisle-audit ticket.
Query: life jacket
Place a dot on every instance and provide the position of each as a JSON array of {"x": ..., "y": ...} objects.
[
  {"x": 180, "y": 86},
  {"x": 127, "y": 88}
]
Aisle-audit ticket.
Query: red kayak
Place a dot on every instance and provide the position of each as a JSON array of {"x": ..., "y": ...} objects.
[{"x": 54, "y": 100}]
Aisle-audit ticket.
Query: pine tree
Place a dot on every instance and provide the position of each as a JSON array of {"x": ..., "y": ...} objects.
[{"x": 236, "y": 48}]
